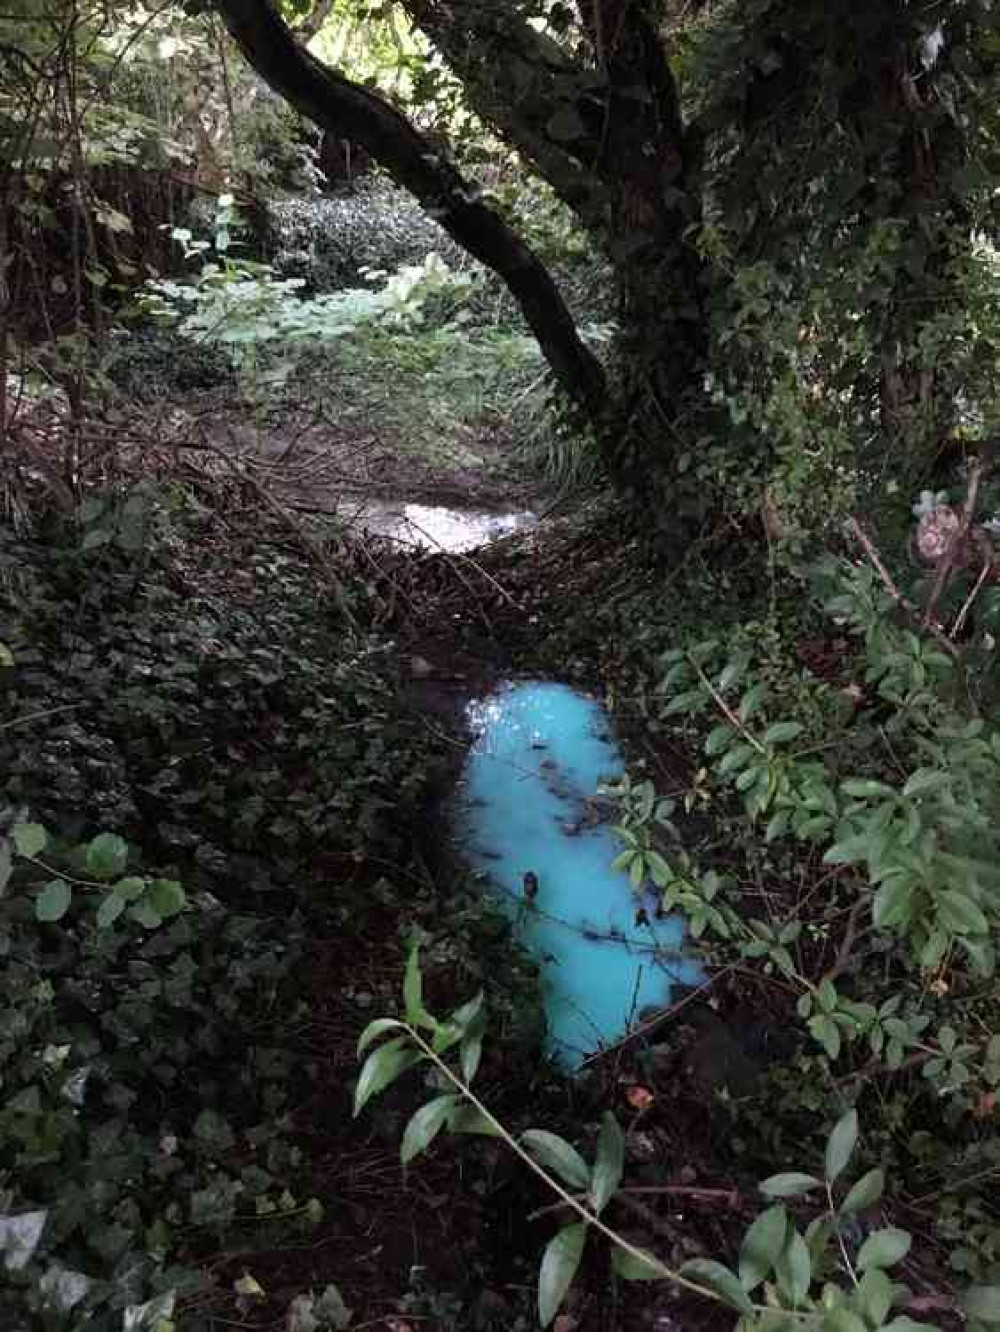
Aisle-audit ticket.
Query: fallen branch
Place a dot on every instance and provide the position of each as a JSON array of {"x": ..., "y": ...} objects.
[{"x": 903, "y": 602}]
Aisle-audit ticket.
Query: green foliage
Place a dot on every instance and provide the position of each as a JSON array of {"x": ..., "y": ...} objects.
[
  {"x": 160, "y": 731},
  {"x": 332, "y": 243}
]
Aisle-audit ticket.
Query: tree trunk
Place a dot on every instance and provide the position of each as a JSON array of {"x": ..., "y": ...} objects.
[{"x": 336, "y": 105}]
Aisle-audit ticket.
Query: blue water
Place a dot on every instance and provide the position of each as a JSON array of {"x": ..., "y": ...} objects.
[{"x": 527, "y": 805}]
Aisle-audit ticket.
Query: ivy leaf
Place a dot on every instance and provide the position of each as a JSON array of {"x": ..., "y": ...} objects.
[
  {"x": 883, "y": 1248},
  {"x": 29, "y": 839},
  {"x": 109, "y": 910},
  {"x": 106, "y": 856},
  {"x": 19, "y": 1238},
  {"x": 382, "y": 1067},
  {"x": 424, "y": 1127},
  {"x": 713, "y": 1276},
  {"x": 131, "y": 888},
  {"x": 762, "y": 1246},
  {"x": 148, "y": 1316},
  {"x": 146, "y": 914},
  {"x": 864, "y": 1193},
  {"x": 53, "y": 901},
  {"x": 841, "y": 1144},
  {"x": 166, "y": 896},
  {"x": 556, "y": 1154},
  {"x": 630, "y": 1268},
  {"x": 609, "y": 1164},
  {"x": 559, "y": 1266},
  {"x": 789, "y": 1184}
]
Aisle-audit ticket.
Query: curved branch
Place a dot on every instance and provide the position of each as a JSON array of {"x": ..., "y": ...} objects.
[{"x": 334, "y": 103}]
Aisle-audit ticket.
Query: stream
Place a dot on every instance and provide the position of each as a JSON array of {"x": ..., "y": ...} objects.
[{"x": 529, "y": 804}]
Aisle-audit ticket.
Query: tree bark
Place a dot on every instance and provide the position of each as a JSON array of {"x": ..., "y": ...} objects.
[{"x": 337, "y": 105}]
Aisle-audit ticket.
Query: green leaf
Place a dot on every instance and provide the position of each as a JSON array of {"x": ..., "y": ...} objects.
[
  {"x": 6, "y": 865},
  {"x": 609, "y": 1164},
  {"x": 762, "y": 1246},
  {"x": 719, "y": 738},
  {"x": 883, "y": 1248},
  {"x": 110, "y": 909},
  {"x": 166, "y": 897},
  {"x": 843, "y": 1320},
  {"x": 467, "y": 1119},
  {"x": 556, "y": 1154},
  {"x": 789, "y": 1184},
  {"x": 53, "y": 901},
  {"x": 840, "y": 1145},
  {"x": 982, "y": 1302},
  {"x": 374, "y": 1030},
  {"x": 710, "y": 1275},
  {"x": 864, "y": 1193},
  {"x": 873, "y": 1296},
  {"x": 382, "y": 1067},
  {"x": 752, "y": 700},
  {"x": 630, "y": 1268},
  {"x": 826, "y": 1031},
  {"x": 470, "y": 1053},
  {"x": 958, "y": 913},
  {"x": 106, "y": 856},
  {"x": 29, "y": 838},
  {"x": 559, "y": 1266},
  {"x": 146, "y": 914},
  {"x": 413, "y": 991},
  {"x": 893, "y": 903},
  {"x": 131, "y": 888},
  {"x": 425, "y": 1125},
  {"x": 782, "y": 731},
  {"x": 794, "y": 1268}
]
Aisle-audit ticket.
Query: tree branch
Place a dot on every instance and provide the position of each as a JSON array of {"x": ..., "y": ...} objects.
[{"x": 336, "y": 104}]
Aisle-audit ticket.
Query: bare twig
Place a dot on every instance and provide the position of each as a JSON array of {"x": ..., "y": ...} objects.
[
  {"x": 903, "y": 602},
  {"x": 956, "y": 543}
]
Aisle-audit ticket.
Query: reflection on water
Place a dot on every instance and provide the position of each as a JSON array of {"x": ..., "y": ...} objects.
[{"x": 433, "y": 526}]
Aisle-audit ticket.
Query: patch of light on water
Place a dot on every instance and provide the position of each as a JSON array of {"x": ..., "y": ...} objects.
[{"x": 435, "y": 526}]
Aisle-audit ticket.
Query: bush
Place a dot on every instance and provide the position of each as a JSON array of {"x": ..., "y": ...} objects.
[{"x": 178, "y": 713}]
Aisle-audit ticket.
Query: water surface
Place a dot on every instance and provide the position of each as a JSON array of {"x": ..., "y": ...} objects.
[{"x": 529, "y": 804}]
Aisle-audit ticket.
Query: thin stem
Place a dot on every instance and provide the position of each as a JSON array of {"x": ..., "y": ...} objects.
[
  {"x": 588, "y": 1217},
  {"x": 726, "y": 710}
]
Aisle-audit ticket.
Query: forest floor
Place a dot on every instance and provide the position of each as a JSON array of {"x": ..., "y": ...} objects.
[{"x": 453, "y": 1242}]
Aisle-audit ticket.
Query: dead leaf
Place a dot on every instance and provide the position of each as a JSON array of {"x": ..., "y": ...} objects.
[{"x": 639, "y": 1098}]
